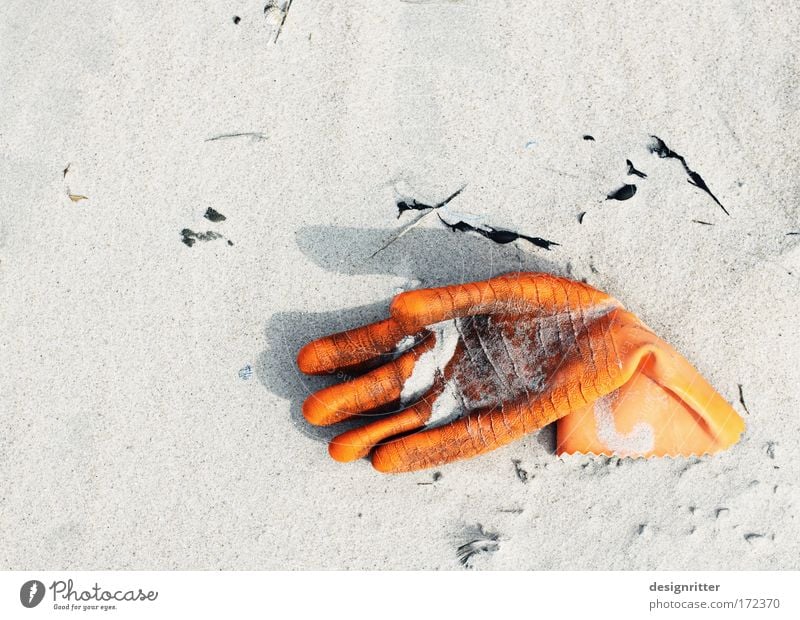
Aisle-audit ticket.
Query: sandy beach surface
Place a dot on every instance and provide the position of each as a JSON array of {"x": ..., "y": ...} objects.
[{"x": 150, "y": 399}]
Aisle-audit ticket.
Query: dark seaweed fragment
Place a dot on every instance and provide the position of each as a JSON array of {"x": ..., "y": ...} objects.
[
  {"x": 214, "y": 215},
  {"x": 659, "y": 147},
  {"x": 633, "y": 171},
  {"x": 622, "y": 193},
  {"x": 412, "y": 204},
  {"x": 589, "y": 138},
  {"x": 189, "y": 237},
  {"x": 752, "y": 536},
  {"x": 498, "y": 235},
  {"x": 741, "y": 400}
]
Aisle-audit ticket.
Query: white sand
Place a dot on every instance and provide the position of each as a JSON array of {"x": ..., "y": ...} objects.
[
  {"x": 127, "y": 437},
  {"x": 432, "y": 363}
]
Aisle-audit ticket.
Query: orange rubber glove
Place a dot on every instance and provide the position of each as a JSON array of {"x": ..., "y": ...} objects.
[{"x": 475, "y": 366}]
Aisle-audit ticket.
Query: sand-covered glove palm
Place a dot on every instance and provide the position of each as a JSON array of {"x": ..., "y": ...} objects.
[{"x": 475, "y": 366}]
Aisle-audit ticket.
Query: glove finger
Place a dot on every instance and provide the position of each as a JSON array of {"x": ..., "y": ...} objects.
[
  {"x": 465, "y": 437},
  {"x": 511, "y": 294},
  {"x": 350, "y": 348},
  {"x": 355, "y": 444}
]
